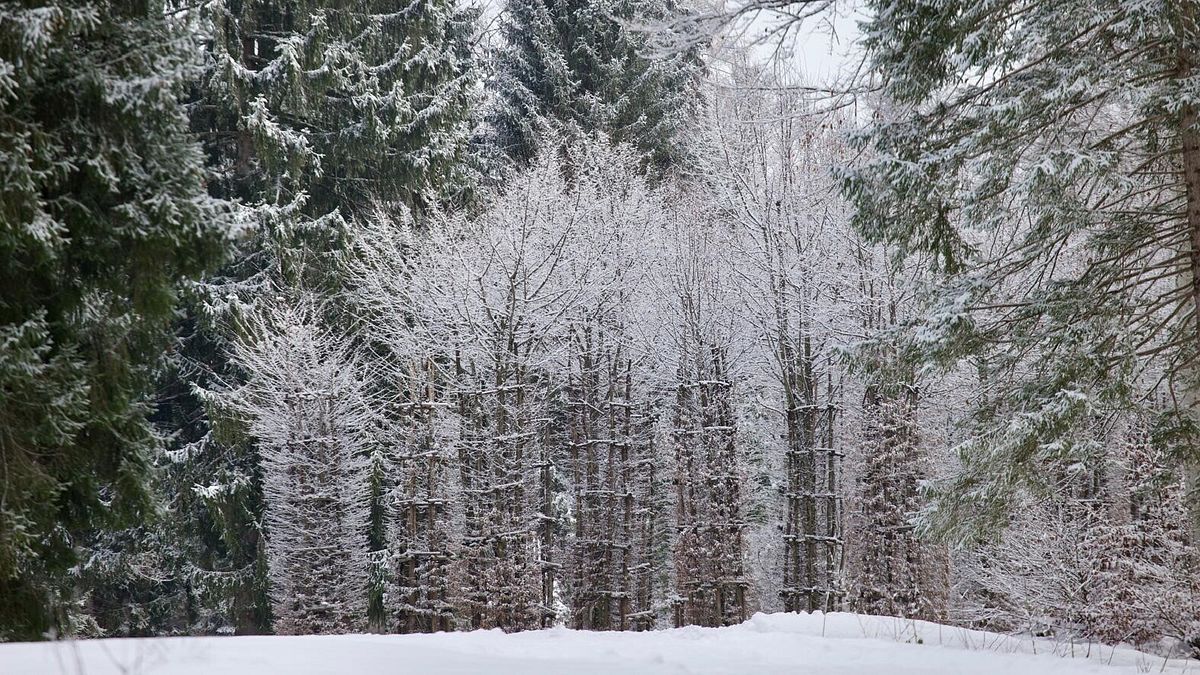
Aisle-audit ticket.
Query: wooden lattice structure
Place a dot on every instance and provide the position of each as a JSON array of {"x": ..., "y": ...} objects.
[{"x": 502, "y": 572}]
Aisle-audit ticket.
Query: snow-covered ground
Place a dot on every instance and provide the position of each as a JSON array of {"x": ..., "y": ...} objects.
[{"x": 834, "y": 644}]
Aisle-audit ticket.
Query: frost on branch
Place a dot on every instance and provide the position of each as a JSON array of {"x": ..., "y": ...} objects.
[{"x": 305, "y": 403}]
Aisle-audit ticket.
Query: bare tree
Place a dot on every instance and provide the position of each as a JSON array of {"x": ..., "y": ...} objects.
[
  {"x": 771, "y": 165},
  {"x": 711, "y": 585},
  {"x": 514, "y": 320}
]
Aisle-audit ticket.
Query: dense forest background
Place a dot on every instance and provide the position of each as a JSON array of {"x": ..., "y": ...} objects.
[{"x": 331, "y": 316}]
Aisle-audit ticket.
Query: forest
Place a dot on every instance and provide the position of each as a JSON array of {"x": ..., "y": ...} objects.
[{"x": 347, "y": 316}]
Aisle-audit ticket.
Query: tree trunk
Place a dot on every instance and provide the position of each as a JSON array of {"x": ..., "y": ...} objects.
[
  {"x": 1190, "y": 141},
  {"x": 1184, "y": 22}
]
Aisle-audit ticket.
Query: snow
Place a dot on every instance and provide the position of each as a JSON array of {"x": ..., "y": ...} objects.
[{"x": 833, "y": 644}]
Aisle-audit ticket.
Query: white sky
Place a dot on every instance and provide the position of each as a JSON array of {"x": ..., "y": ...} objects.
[
  {"x": 821, "y": 49},
  {"x": 829, "y": 45}
]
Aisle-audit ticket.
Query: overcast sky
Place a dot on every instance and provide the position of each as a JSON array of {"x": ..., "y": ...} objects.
[
  {"x": 822, "y": 48},
  {"x": 827, "y": 46}
]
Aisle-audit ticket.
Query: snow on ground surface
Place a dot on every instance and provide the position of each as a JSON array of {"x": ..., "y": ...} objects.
[{"x": 834, "y": 644}]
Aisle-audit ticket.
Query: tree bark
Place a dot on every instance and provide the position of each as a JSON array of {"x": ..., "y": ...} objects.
[
  {"x": 1190, "y": 146},
  {"x": 1183, "y": 19}
]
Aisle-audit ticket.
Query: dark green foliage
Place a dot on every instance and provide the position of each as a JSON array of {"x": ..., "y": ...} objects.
[
  {"x": 354, "y": 103},
  {"x": 102, "y": 213},
  {"x": 1037, "y": 151},
  {"x": 313, "y": 115},
  {"x": 578, "y": 67},
  {"x": 212, "y": 487}
]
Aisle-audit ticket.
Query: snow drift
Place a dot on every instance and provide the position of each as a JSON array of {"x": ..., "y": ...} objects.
[{"x": 833, "y": 644}]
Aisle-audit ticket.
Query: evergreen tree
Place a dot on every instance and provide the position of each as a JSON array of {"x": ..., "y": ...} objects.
[
  {"x": 313, "y": 115},
  {"x": 211, "y": 483},
  {"x": 1143, "y": 565},
  {"x": 578, "y": 67},
  {"x": 353, "y": 104},
  {"x": 1047, "y": 155},
  {"x": 892, "y": 567},
  {"x": 102, "y": 213}
]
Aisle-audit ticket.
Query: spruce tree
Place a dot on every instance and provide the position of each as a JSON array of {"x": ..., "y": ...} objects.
[
  {"x": 353, "y": 103},
  {"x": 102, "y": 214},
  {"x": 313, "y": 115},
  {"x": 1048, "y": 154},
  {"x": 891, "y": 573},
  {"x": 211, "y": 484},
  {"x": 578, "y": 67}
]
